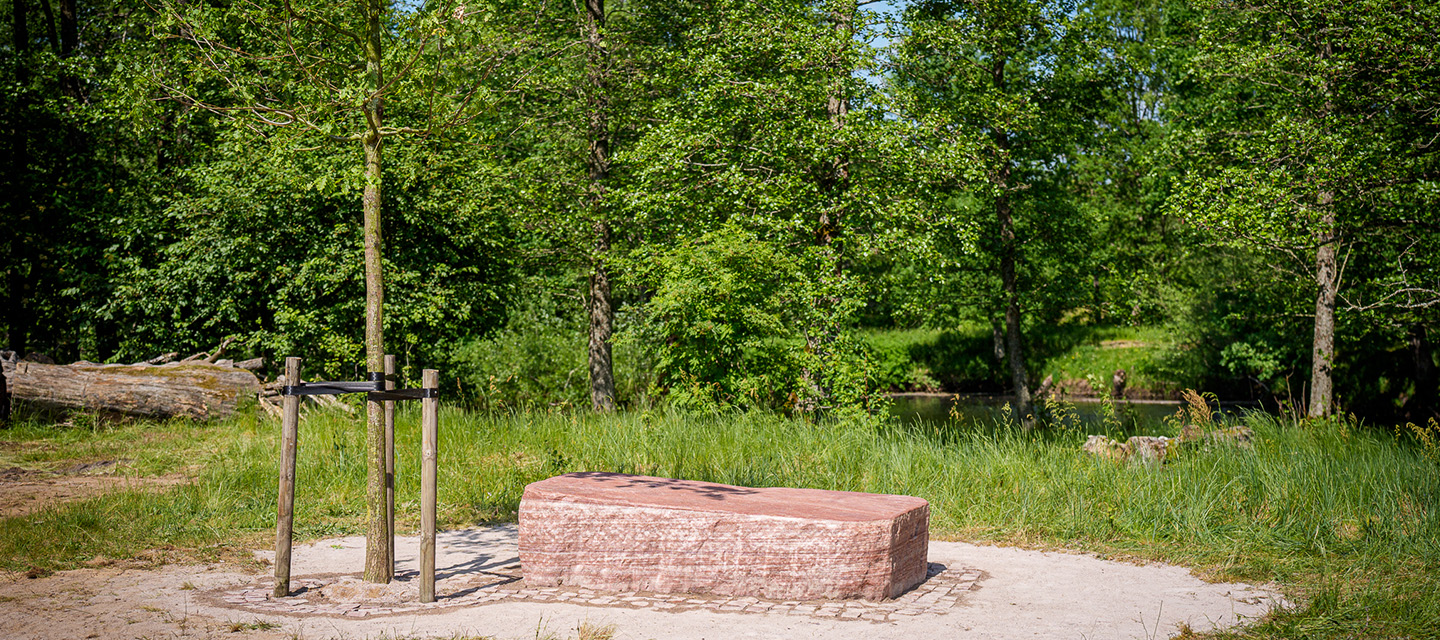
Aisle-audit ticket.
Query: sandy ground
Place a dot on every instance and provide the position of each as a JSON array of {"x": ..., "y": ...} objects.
[
  {"x": 1021, "y": 594},
  {"x": 26, "y": 491}
]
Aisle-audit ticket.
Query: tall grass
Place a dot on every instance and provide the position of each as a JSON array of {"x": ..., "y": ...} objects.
[{"x": 1347, "y": 519}]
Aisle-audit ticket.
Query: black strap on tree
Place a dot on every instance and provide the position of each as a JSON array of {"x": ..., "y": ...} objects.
[{"x": 374, "y": 387}]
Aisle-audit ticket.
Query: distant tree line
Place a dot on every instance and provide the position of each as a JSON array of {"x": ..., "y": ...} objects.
[{"x": 713, "y": 201}]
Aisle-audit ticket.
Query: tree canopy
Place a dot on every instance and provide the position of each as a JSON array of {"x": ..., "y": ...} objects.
[{"x": 727, "y": 204}]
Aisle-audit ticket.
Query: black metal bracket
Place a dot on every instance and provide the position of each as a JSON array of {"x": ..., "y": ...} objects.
[
  {"x": 374, "y": 388},
  {"x": 405, "y": 394}
]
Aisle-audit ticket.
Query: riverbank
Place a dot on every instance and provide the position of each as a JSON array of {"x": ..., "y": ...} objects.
[{"x": 1079, "y": 362}]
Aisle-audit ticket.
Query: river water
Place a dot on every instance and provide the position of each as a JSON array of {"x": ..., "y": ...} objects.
[{"x": 976, "y": 411}]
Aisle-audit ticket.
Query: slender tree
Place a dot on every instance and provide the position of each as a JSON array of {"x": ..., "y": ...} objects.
[
  {"x": 1001, "y": 94},
  {"x": 286, "y": 69},
  {"x": 600, "y": 310},
  {"x": 1310, "y": 143},
  {"x": 766, "y": 126}
]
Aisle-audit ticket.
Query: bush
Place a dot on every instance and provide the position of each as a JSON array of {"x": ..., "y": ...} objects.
[
  {"x": 721, "y": 322},
  {"x": 540, "y": 359}
]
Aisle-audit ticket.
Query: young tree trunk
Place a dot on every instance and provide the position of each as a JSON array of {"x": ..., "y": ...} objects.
[
  {"x": 601, "y": 314},
  {"x": 378, "y": 567},
  {"x": 1322, "y": 401},
  {"x": 602, "y": 318},
  {"x": 16, "y": 305},
  {"x": 50, "y": 32},
  {"x": 20, "y": 31},
  {"x": 1019, "y": 380},
  {"x": 997, "y": 340},
  {"x": 1423, "y": 404},
  {"x": 69, "y": 42}
]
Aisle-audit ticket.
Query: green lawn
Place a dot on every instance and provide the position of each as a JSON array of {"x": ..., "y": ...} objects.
[{"x": 1345, "y": 519}]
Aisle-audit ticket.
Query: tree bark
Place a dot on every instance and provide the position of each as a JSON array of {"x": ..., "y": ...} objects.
[
  {"x": 20, "y": 30},
  {"x": 598, "y": 303},
  {"x": 1019, "y": 379},
  {"x": 69, "y": 27},
  {"x": 69, "y": 42},
  {"x": 378, "y": 567},
  {"x": 997, "y": 340},
  {"x": 16, "y": 305},
  {"x": 192, "y": 390},
  {"x": 50, "y": 32},
  {"x": 1322, "y": 400},
  {"x": 602, "y": 318},
  {"x": 1422, "y": 405}
]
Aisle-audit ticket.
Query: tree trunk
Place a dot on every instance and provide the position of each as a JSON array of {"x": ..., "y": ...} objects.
[
  {"x": 997, "y": 341},
  {"x": 601, "y": 314},
  {"x": 20, "y": 31},
  {"x": 1019, "y": 379},
  {"x": 69, "y": 42},
  {"x": 50, "y": 32},
  {"x": 602, "y": 318},
  {"x": 1322, "y": 400},
  {"x": 194, "y": 390},
  {"x": 16, "y": 305},
  {"x": 1422, "y": 405},
  {"x": 378, "y": 567}
]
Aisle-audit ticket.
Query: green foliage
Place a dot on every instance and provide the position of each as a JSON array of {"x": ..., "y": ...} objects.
[
  {"x": 764, "y": 125},
  {"x": 538, "y": 360},
  {"x": 723, "y": 317},
  {"x": 293, "y": 69},
  {"x": 79, "y": 174},
  {"x": 1142, "y": 258},
  {"x": 730, "y": 319},
  {"x": 785, "y": 196},
  {"x": 1307, "y": 142},
  {"x": 1002, "y": 95},
  {"x": 271, "y": 253},
  {"x": 1293, "y": 111},
  {"x": 896, "y": 365}
]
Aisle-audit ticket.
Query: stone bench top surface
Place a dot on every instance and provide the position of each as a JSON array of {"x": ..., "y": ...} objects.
[{"x": 595, "y": 487}]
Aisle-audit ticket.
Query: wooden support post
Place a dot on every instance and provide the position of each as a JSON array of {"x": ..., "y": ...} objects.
[
  {"x": 285, "y": 512},
  {"x": 390, "y": 461},
  {"x": 429, "y": 432}
]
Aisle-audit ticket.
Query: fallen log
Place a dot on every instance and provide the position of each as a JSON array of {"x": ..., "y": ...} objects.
[{"x": 194, "y": 390}]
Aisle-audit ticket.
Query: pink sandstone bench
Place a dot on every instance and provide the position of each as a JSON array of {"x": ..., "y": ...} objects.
[{"x": 618, "y": 532}]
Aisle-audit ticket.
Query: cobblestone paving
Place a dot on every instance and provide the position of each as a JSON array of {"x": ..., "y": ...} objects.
[{"x": 943, "y": 588}]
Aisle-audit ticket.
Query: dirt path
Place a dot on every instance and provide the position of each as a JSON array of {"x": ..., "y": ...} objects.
[{"x": 973, "y": 592}]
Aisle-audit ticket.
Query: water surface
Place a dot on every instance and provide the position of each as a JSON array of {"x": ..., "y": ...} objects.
[{"x": 984, "y": 411}]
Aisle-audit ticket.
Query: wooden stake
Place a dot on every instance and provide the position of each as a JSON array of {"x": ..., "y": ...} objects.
[
  {"x": 390, "y": 460},
  {"x": 285, "y": 512},
  {"x": 429, "y": 432}
]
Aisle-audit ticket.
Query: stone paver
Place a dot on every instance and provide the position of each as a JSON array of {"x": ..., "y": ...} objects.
[{"x": 943, "y": 588}]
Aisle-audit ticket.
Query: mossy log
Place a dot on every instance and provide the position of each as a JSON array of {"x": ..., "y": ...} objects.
[{"x": 196, "y": 390}]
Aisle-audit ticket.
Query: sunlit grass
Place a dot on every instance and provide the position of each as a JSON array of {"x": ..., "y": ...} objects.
[{"x": 1344, "y": 518}]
